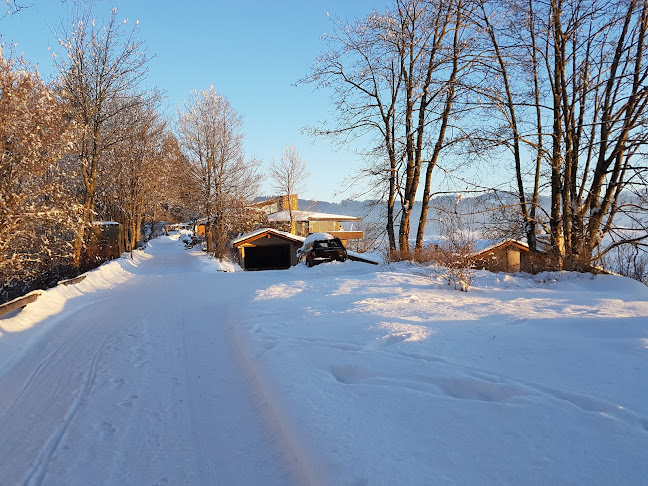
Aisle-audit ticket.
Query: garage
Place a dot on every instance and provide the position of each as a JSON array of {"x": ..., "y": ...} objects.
[
  {"x": 267, "y": 257},
  {"x": 267, "y": 249}
]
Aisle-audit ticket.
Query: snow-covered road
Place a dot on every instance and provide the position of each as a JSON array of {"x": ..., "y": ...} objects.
[{"x": 140, "y": 384}]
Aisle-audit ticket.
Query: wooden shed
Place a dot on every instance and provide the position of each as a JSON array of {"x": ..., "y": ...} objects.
[
  {"x": 267, "y": 249},
  {"x": 507, "y": 256}
]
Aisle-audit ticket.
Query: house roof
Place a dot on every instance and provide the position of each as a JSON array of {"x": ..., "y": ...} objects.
[
  {"x": 254, "y": 235},
  {"x": 262, "y": 204},
  {"x": 297, "y": 215}
]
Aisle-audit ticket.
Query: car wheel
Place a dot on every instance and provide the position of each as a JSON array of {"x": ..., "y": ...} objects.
[{"x": 309, "y": 261}]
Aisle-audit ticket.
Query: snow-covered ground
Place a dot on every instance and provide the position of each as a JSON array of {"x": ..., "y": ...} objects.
[{"x": 163, "y": 370}]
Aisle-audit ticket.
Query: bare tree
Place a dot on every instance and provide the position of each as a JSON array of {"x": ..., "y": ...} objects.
[
  {"x": 12, "y": 6},
  {"x": 210, "y": 134},
  {"x": 100, "y": 72},
  {"x": 455, "y": 61},
  {"x": 289, "y": 175},
  {"x": 514, "y": 56},
  {"x": 180, "y": 197},
  {"x": 585, "y": 118},
  {"x": 362, "y": 68},
  {"x": 395, "y": 80},
  {"x": 132, "y": 172}
]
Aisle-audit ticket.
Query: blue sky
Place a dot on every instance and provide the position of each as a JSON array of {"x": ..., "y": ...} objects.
[{"x": 252, "y": 51}]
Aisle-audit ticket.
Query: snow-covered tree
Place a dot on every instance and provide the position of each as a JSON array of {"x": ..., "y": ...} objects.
[
  {"x": 100, "y": 73},
  {"x": 38, "y": 212},
  {"x": 211, "y": 137}
]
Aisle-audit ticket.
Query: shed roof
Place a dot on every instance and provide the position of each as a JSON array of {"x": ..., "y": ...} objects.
[{"x": 260, "y": 233}]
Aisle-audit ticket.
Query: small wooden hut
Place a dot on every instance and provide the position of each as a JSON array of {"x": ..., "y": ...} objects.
[
  {"x": 267, "y": 249},
  {"x": 509, "y": 256}
]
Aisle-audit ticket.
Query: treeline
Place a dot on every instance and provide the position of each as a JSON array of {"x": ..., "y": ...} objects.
[
  {"x": 551, "y": 95},
  {"x": 91, "y": 145}
]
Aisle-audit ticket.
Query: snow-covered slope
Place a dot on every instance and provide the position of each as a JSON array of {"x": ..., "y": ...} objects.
[
  {"x": 388, "y": 377},
  {"x": 163, "y": 371}
]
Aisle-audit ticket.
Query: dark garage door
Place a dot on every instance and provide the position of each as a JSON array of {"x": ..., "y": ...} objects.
[{"x": 267, "y": 257}]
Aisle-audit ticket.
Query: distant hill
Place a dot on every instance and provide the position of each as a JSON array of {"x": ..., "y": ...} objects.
[{"x": 370, "y": 212}]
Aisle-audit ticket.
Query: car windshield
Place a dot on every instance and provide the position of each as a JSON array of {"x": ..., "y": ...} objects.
[{"x": 328, "y": 244}]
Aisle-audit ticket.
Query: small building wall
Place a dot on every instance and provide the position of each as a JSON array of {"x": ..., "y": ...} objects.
[
  {"x": 323, "y": 226},
  {"x": 105, "y": 242},
  {"x": 495, "y": 260},
  {"x": 288, "y": 202},
  {"x": 511, "y": 259},
  {"x": 200, "y": 229}
]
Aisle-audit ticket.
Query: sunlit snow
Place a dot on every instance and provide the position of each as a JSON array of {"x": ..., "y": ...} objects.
[{"x": 167, "y": 370}]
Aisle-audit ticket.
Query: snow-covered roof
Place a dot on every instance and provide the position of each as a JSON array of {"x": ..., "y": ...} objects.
[
  {"x": 253, "y": 234},
  {"x": 105, "y": 223},
  {"x": 310, "y": 216},
  {"x": 498, "y": 244}
]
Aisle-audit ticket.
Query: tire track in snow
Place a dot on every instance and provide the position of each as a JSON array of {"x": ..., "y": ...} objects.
[
  {"x": 39, "y": 469},
  {"x": 208, "y": 448},
  {"x": 39, "y": 379},
  {"x": 298, "y": 461},
  {"x": 214, "y": 429},
  {"x": 29, "y": 381}
]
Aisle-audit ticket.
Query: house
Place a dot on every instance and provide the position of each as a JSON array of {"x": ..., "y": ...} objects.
[
  {"x": 179, "y": 226},
  {"x": 275, "y": 246},
  {"x": 283, "y": 213},
  {"x": 509, "y": 256},
  {"x": 309, "y": 222},
  {"x": 285, "y": 202},
  {"x": 199, "y": 227},
  {"x": 267, "y": 249}
]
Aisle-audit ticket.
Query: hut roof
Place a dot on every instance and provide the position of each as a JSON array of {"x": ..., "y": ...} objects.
[{"x": 260, "y": 233}]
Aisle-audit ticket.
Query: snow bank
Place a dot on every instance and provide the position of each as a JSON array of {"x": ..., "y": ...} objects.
[
  {"x": 58, "y": 302},
  {"x": 372, "y": 257}
]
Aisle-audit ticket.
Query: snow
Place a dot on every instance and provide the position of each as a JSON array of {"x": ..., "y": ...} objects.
[
  {"x": 318, "y": 237},
  {"x": 484, "y": 246},
  {"x": 162, "y": 370},
  {"x": 370, "y": 256},
  {"x": 298, "y": 215}
]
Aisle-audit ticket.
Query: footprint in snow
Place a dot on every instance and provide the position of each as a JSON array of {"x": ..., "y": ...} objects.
[
  {"x": 128, "y": 402},
  {"x": 106, "y": 428}
]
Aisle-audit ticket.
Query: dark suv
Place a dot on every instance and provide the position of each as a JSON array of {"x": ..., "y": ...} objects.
[{"x": 322, "y": 248}]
